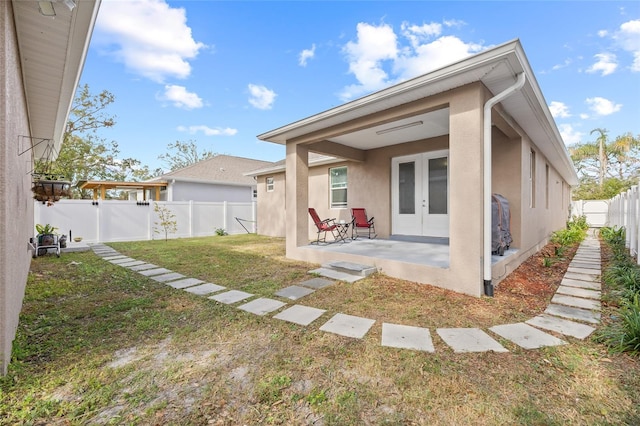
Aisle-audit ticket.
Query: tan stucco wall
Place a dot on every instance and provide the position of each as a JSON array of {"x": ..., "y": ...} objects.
[
  {"x": 16, "y": 204},
  {"x": 271, "y": 206}
]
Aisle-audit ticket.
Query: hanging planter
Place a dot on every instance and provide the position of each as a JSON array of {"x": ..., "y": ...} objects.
[{"x": 48, "y": 189}]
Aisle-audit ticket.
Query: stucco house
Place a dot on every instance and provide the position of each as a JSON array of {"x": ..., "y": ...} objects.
[
  {"x": 41, "y": 60},
  {"x": 216, "y": 179},
  {"x": 424, "y": 157}
]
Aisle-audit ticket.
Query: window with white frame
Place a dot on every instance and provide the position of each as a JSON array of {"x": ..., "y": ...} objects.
[
  {"x": 338, "y": 187},
  {"x": 270, "y": 184}
]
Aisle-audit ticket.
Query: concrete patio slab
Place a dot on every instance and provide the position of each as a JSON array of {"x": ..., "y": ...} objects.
[
  {"x": 406, "y": 337},
  {"x": 317, "y": 283},
  {"x": 593, "y": 285},
  {"x": 469, "y": 340},
  {"x": 526, "y": 336},
  {"x": 348, "y": 325},
  {"x": 562, "y": 326},
  {"x": 576, "y": 302},
  {"x": 203, "y": 289},
  {"x": 579, "y": 292},
  {"x": 143, "y": 267},
  {"x": 187, "y": 282},
  {"x": 262, "y": 306},
  {"x": 337, "y": 275},
  {"x": 152, "y": 272},
  {"x": 231, "y": 296},
  {"x": 167, "y": 277},
  {"x": 577, "y": 314},
  {"x": 294, "y": 292},
  {"x": 299, "y": 314},
  {"x": 129, "y": 264}
]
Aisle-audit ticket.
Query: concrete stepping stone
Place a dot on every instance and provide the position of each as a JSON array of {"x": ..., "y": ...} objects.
[
  {"x": 337, "y": 275},
  {"x": 299, "y": 314},
  {"x": 106, "y": 253},
  {"x": 576, "y": 302},
  {"x": 151, "y": 272},
  {"x": 133, "y": 263},
  {"x": 187, "y": 282},
  {"x": 167, "y": 277},
  {"x": 584, "y": 264},
  {"x": 348, "y": 325},
  {"x": 123, "y": 260},
  {"x": 114, "y": 257},
  {"x": 231, "y": 296},
  {"x": 406, "y": 337},
  {"x": 562, "y": 326},
  {"x": 317, "y": 283},
  {"x": 294, "y": 292},
  {"x": 577, "y": 314},
  {"x": 262, "y": 306},
  {"x": 143, "y": 267},
  {"x": 204, "y": 289},
  {"x": 581, "y": 284},
  {"x": 526, "y": 336},
  {"x": 582, "y": 277},
  {"x": 579, "y": 292},
  {"x": 469, "y": 340},
  {"x": 592, "y": 272}
]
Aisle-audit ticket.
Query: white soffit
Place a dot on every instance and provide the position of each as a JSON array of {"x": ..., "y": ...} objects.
[{"x": 52, "y": 53}]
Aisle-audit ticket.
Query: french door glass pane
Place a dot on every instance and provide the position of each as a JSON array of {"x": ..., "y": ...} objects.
[
  {"x": 438, "y": 185},
  {"x": 407, "y": 188}
]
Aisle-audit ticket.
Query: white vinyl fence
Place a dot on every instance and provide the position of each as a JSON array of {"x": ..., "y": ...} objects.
[
  {"x": 596, "y": 211},
  {"x": 118, "y": 220},
  {"x": 624, "y": 212}
]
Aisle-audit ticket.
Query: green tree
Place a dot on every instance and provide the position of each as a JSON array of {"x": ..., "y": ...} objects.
[
  {"x": 606, "y": 167},
  {"x": 183, "y": 154},
  {"x": 86, "y": 156}
]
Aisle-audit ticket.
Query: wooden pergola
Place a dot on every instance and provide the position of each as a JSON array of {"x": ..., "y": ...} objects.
[{"x": 101, "y": 187}]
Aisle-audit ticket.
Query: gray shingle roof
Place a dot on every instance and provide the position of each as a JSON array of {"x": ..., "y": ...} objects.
[{"x": 219, "y": 169}]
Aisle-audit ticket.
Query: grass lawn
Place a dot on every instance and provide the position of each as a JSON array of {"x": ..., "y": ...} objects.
[{"x": 100, "y": 344}]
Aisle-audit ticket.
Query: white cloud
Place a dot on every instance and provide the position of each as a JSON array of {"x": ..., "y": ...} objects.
[
  {"x": 306, "y": 54},
  {"x": 559, "y": 110},
  {"x": 602, "y": 106},
  {"x": 261, "y": 97},
  {"x": 378, "y": 58},
  {"x": 569, "y": 135},
  {"x": 208, "y": 131},
  {"x": 180, "y": 98},
  {"x": 151, "y": 38},
  {"x": 629, "y": 39},
  {"x": 606, "y": 64},
  {"x": 603, "y": 33}
]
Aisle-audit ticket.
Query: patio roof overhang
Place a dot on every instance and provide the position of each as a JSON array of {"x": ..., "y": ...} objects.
[
  {"x": 496, "y": 69},
  {"x": 101, "y": 187},
  {"x": 52, "y": 52}
]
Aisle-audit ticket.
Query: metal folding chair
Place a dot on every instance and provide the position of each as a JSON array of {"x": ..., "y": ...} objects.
[
  {"x": 324, "y": 226},
  {"x": 362, "y": 224}
]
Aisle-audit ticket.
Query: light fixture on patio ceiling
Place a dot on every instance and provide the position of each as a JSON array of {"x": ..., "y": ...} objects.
[{"x": 403, "y": 126}]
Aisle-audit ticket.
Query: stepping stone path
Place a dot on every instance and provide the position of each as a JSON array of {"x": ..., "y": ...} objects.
[{"x": 573, "y": 312}]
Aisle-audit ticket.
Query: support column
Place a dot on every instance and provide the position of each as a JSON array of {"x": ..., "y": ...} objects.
[{"x": 297, "y": 197}]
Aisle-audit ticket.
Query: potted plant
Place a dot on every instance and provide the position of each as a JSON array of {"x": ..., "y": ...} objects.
[{"x": 46, "y": 234}]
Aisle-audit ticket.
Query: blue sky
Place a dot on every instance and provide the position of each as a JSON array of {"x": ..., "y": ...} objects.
[{"x": 221, "y": 72}]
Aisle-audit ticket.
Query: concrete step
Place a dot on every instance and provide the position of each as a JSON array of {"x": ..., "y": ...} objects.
[{"x": 351, "y": 268}]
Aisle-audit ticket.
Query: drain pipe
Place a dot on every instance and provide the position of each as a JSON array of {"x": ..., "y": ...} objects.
[{"x": 488, "y": 285}]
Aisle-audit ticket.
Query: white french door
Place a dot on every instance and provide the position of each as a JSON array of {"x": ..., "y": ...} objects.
[{"x": 420, "y": 194}]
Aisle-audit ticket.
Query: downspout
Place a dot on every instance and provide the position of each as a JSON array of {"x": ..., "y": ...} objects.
[{"x": 488, "y": 285}]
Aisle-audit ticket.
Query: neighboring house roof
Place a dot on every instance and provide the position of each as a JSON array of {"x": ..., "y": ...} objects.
[
  {"x": 220, "y": 169},
  {"x": 52, "y": 53},
  {"x": 496, "y": 69},
  {"x": 280, "y": 166}
]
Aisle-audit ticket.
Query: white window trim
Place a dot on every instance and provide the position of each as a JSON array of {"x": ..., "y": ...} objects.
[
  {"x": 331, "y": 203},
  {"x": 270, "y": 186}
]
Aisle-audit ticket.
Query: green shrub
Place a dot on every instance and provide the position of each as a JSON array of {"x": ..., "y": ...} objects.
[
  {"x": 569, "y": 236},
  {"x": 624, "y": 334},
  {"x": 579, "y": 222}
]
